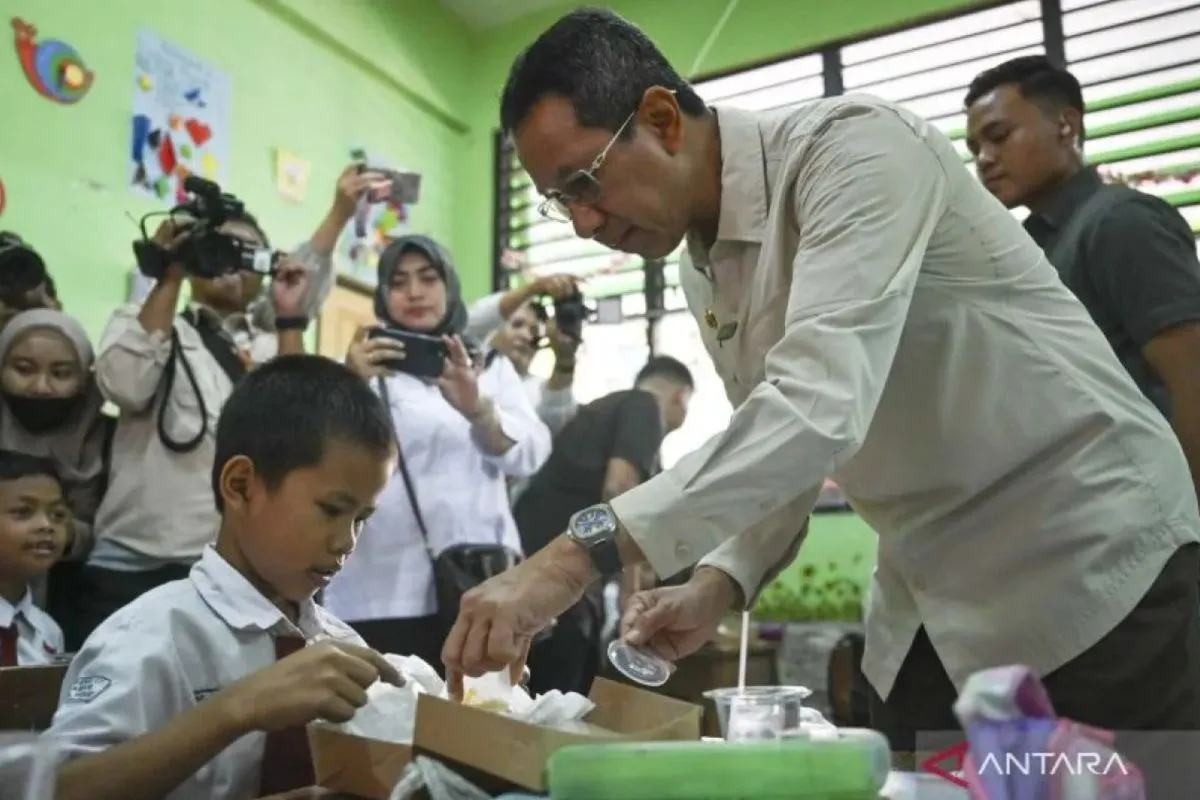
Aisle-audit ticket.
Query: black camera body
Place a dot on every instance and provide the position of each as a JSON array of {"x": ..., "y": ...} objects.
[
  {"x": 205, "y": 251},
  {"x": 569, "y": 315}
]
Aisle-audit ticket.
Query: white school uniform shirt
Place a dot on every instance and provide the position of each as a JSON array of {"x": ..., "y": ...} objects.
[
  {"x": 899, "y": 330},
  {"x": 461, "y": 490},
  {"x": 162, "y": 654},
  {"x": 39, "y": 639}
]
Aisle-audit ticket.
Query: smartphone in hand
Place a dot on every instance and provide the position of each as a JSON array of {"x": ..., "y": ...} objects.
[{"x": 424, "y": 356}]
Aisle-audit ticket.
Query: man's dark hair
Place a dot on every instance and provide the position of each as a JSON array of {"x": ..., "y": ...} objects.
[
  {"x": 14, "y": 466},
  {"x": 601, "y": 63},
  {"x": 1037, "y": 78},
  {"x": 281, "y": 415},
  {"x": 666, "y": 368},
  {"x": 51, "y": 288}
]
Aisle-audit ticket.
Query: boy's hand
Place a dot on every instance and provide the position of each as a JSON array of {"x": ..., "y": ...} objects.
[{"x": 326, "y": 681}]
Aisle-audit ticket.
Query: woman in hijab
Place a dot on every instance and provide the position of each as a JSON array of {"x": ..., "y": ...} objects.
[
  {"x": 50, "y": 407},
  {"x": 460, "y": 435}
]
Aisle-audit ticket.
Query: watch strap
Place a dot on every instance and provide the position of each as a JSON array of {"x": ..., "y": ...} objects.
[
  {"x": 606, "y": 557},
  {"x": 291, "y": 323}
]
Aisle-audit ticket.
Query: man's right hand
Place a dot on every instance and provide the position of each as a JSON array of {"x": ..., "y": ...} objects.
[
  {"x": 676, "y": 621},
  {"x": 366, "y": 356},
  {"x": 326, "y": 681}
]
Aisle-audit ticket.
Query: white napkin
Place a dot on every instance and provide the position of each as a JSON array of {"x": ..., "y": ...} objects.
[{"x": 390, "y": 714}]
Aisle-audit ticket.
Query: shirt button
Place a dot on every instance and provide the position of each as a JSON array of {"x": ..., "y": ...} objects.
[{"x": 683, "y": 551}]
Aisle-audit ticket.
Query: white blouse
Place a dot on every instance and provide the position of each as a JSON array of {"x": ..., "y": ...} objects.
[{"x": 460, "y": 488}]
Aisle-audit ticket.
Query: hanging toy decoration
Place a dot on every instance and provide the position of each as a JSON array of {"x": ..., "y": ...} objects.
[{"x": 52, "y": 67}]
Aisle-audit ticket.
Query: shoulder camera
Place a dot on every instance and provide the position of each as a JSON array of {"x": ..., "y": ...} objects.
[{"x": 205, "y": 251}]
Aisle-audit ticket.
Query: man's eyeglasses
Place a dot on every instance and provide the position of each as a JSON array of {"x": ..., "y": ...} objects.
[{"x": 582, "y": 186}]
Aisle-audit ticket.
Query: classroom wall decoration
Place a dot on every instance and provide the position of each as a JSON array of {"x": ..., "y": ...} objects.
[
  {"x": 291, "y": 175},
  {"x": 52, "y": 67},
  {"x": 373, "y": 226},
  {"x": 181, "y": 119}
]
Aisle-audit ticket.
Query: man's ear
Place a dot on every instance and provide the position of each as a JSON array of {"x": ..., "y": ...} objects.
[
  {"x": 237, "y": 478},
  {"x": 660, "y": 112},
  {"x": 1071, "y": 127}
]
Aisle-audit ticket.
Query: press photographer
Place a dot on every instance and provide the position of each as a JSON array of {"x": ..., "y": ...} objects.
[
  {"x": 170, "y": 374},
  {"x": 515, "y": 324}
]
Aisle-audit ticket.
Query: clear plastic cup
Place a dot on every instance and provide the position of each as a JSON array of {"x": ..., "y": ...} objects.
[{"x": 758, "y": 712}]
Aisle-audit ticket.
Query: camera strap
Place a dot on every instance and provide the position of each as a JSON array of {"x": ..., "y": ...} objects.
[
  {"x": 218, "y": 344},
  {"x": 409, "y": 489}
]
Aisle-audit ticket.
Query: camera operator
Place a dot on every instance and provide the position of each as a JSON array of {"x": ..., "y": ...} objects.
[
  {"x": 512, "y": 323},
  {"x": 170, "y": 374}
]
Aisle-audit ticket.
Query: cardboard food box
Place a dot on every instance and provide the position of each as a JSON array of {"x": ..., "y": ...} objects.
[
  {"x": 492, "y": 750},
  {"x": 515, "y": 753},
  {"x": 354, "y": 765}
]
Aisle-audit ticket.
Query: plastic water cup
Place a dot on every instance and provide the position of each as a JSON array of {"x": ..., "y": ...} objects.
[{"x": 758, "y": 712}]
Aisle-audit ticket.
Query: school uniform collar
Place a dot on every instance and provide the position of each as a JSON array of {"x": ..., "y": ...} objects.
[
  {"x": 241, "y": 606},
  {"x": 24, "y": 609}
]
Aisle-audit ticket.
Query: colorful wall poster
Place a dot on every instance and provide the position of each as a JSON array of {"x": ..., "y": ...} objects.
[
  {"x": 181, "y": 119},
  {"x": 291, "y": 175},
  {"x": 373, "y": 226}
]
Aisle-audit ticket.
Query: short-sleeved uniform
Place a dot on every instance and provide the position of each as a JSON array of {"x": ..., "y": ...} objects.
[
  {"x": 39, "y": 640},
  {"x": 169, "y": 650}
]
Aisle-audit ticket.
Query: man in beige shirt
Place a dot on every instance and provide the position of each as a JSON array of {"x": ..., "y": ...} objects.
[{"x": 877, "y": 317}]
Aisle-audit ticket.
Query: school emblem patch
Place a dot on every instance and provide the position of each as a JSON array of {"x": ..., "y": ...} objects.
[{"x": 88, "y": 688}]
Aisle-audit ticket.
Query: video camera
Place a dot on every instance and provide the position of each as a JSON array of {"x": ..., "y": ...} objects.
[{"x": 205, "y": 251}]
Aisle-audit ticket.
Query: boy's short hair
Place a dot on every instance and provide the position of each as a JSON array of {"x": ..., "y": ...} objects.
[
  {"x": 14, "y": 466},
  {"x": 281, "y": 414}
]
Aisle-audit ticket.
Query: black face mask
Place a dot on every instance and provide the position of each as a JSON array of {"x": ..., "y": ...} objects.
[{"x": 41, "y": 414}]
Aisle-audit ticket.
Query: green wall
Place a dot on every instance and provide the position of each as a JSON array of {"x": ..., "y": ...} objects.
[{"x": 314, "y": 76}]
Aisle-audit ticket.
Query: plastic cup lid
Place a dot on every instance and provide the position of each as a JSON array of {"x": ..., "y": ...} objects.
[{"x": 639, "y": 665}]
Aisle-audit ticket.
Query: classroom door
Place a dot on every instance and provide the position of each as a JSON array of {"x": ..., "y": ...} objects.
[{"x": 348, "y": 308}]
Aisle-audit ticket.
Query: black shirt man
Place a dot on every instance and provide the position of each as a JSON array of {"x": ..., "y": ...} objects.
[
  {"x": 1129, "y": 256},
  {"x": 609, "y": 446}
]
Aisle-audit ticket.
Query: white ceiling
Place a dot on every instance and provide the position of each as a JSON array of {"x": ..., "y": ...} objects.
[{"x": 484, "y": 14}]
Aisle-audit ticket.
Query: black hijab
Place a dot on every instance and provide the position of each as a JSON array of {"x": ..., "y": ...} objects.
[{"x": 455, "y": 319}]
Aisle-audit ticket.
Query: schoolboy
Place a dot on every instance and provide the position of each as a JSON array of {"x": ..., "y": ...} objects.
[
  {"x": 190, "y": 691},
  {"x": 34, "y": 520}
]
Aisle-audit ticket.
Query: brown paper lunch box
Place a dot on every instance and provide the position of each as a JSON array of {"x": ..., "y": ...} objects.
[{"x": 493, "y": 751}]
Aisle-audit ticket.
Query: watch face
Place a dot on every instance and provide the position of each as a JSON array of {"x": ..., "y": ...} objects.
[{"x": 592, "y": 523}]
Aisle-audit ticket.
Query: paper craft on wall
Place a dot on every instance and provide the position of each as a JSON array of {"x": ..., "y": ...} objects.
[
  {"x": 373, "y": 226},
  {"x": 52, "y": 67},
  {"x": 291, "y": 175},
  {"x": 181, "y": 119}
]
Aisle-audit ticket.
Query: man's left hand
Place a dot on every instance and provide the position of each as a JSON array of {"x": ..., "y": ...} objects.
[
  {"x": 498, "y": 619},
  {"x": 288, "y": 288}
]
